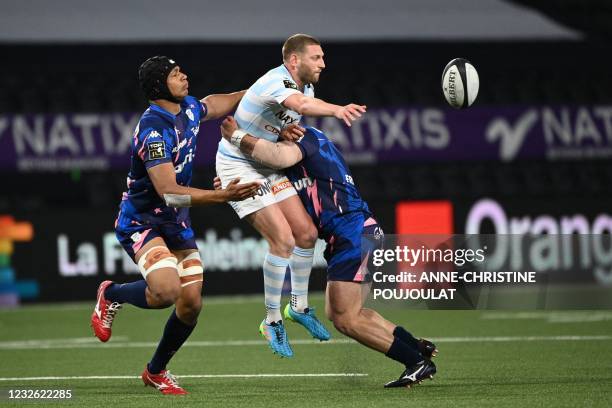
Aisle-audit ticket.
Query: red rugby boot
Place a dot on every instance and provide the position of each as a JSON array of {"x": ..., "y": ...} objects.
[
  {"x": 104, "y": 314},
  {"x": 165, "y": 382}
]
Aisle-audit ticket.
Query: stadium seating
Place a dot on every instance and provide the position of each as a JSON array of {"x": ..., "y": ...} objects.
[
  {"x": 62, "y": 78},
  {"x": 73, "y": 78}
]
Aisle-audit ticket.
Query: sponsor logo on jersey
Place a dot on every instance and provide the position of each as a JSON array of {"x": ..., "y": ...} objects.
[
  {"x": 180, "y": 146},
  {"x": 157, "y": 150},
  {"x": 188, "y": 159},
  {"x": 290, "y": 84},
  {"x": 285, "y": 118},
  {"x": 153, "y": 135},
  {"x": 272, "y": 129},
  {"x": 189, "y": 114}
]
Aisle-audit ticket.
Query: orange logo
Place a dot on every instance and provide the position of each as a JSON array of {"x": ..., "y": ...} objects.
[{"x": 277, "y": 188}]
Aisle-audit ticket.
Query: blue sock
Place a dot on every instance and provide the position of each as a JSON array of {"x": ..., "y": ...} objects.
[
  {"x": 403, "y": 353},
  {"x": 175, "y": 334},
  {"x": 405, "y": 336},
  {"x": 132, "y": 293}
]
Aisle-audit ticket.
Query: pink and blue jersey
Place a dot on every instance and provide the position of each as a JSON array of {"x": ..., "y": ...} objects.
[
  {"x": 160, "y": 137},
  {"x": 324, "y": 183},
  {"x": 326, "y": 187}
]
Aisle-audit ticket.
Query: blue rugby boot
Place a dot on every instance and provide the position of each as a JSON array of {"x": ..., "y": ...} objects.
[
  {"x": 309, "y": 321},
  {"x": 276, "y": 336}
]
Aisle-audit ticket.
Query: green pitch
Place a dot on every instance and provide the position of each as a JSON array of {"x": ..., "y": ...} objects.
[{"x": 487, "y": 359}]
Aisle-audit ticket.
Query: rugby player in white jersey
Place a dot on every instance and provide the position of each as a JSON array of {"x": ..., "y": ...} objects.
[{"x": 276, "y": 100}]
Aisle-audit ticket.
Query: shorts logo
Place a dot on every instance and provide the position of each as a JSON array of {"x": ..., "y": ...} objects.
[
  {"x": 157, "y": 150},
  {"x": 303, "y": 183},
  {"x": 135, "y": 236},
  {"x": 264, "y": 189},
  {"x": 277, "y": 188},
  {"x": 289, "y": 84}
]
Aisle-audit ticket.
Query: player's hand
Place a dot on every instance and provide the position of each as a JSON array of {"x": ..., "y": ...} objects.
[
  {"x": 217, "y": 183},
  {"x": 239, "y": 192},
  {"x": 292, "y": 133},
  {"x": 228, "y": 126},
  {"x": 350, "y": 113}
]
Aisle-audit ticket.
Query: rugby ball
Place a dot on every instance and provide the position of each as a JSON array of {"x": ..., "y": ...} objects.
[{"x": 460, "y": 83}]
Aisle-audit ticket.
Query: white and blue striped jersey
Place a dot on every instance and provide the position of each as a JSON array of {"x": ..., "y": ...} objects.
[{"x": 261, "y": 113}]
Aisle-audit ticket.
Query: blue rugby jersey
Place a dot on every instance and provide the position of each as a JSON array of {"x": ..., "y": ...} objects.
[
  {"x": 161, "y": 137},
  {"x": 324, "y": 183}
]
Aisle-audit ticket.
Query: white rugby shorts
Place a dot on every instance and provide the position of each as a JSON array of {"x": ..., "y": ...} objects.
[{"x": 276, "y": 186}]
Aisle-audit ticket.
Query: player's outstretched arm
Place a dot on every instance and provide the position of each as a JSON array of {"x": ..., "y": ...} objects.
[
  {"x": 279, "y": 155},
  {"x": 164, "y": 180},
  {"x": 309, "y": 106},
  {"x": 220, "y": 105}
]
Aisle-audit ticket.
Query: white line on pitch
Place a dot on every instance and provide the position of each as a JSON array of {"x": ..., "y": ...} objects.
[
  {"x": 123, "y": 343},
  {"x": 130, "y": 377},
  {"x": 569, "y": 316},
  {"x": 207, "y": 300},
  {"x": 493, "y": 339}
]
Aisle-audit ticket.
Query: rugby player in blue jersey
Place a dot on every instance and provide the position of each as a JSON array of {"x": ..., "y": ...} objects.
[
  {"x": 153, "y": 224},
  {"x": 326, "y": 187}
]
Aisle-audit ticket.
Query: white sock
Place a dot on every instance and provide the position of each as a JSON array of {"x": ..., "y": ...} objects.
[
  {"x": 301, "y": 266},
  {"x": 274, "y": 269}
]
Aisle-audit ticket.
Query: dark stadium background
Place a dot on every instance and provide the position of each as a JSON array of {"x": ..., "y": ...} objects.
[{"x": 76, "y": 207}]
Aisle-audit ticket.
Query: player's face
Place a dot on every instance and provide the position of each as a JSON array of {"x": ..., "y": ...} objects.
[
  {"x": 177, "y": 83},
  {"x": 310, "y": 64}
]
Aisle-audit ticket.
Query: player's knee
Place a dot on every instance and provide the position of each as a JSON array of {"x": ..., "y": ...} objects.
[
  {"x": 306, "y": 237},
  {"x": 190, "y": 309},
  {"x": 156, "y": 264},
  {"x": 328, "y": 312},
  {"x": 282, "y": 244},
  {"x": 367, "y": 313},
  {"x": 344, "y": 323},
  {"x": 166, "y": 294}
]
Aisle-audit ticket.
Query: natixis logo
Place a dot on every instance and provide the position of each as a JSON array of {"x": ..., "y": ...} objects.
[
  {"x": 579, "y": 132},
  {"x": 511, "y": 136}
]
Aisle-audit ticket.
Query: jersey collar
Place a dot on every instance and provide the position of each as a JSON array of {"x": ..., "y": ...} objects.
[
  {"x": 286, "y": 70},
  {"x": 289, "y": 74},
  {"x": 164, "y": 112}
]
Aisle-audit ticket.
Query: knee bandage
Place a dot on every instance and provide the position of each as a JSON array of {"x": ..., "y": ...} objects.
[
  {"x": 156, "y": 258},
  {"x": 190, "y": 269}
]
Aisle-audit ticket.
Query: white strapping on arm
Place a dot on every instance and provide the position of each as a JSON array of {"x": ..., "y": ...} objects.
[
  {"x": 178, "y": 200},
  {"x": 279, "y": 155},
  {"x": 237, "y": 137}
]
